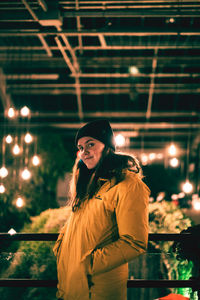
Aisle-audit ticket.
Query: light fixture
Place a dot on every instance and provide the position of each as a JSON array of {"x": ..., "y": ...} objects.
[
  {"x": 187, "y": 187},
  {"x": 133, "y": 70},
  {"x": 174, "y": 197},
  {"x": 25, "y": 111},
  {"x": 3, "y": 172},
  {"x": 16, "y": 149},
  {"x": 144, "y": 159},
  {"x": 28, "y": 138},
  {"x": 12, "y": 231},
  {"x": 2, "y": 188},
  {"x": 20, "y": 202},
  {"x": 159, "y": 156},
  {"x": 174, "y": 162},
  {"x": 9, "y": 139},
  {"x": 172, "y": 150},
  {"x": 36, "y": 160},
  {"x": 120, "y": 140},
  {"x": 26, "y": 174},
  {"x": 152, "y": 156},
  {"x": 11, "y": 112}
]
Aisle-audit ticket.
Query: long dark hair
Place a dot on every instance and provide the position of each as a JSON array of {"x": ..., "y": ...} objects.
[{"x": 85, "y": 183}]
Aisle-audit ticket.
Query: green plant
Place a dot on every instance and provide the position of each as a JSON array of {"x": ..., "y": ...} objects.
[{"x": 166, "y": 217}]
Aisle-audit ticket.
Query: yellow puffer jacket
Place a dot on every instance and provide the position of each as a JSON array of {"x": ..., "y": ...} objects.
[{"x": 99, "y": 239}]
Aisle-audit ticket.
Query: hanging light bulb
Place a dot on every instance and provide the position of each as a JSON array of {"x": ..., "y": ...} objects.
[
  {"x": 9, "y": 139},
  {"x": 133, "y": 70},
  {"x": 36, "y": 160},
  {"x": 120, "y": 140},
  {"x": 16, "y": 149},
  {"x": 28, "y": 138},
  {"x": 3, "y": 172},
  {"x": 2, "y": 188},
  {"x": 174, "y": 162},
  {"x": 26, "y": 174},
  {"x": 152, "y": 156},
  {"x": 187, "y": 187},
  {"x": 172, "y": 150},
  {"x": 20, "y": 202},
  {"x": 11, "y": 112},
  {"x": 144, "y": 159},
  {"x": 25, "y": 111}
]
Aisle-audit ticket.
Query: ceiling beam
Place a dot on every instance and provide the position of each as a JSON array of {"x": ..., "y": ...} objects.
[
  {"x": 131, "y": 126},
  {"x": 136, "y": 32},
  {"x": 115, "y": 114}
]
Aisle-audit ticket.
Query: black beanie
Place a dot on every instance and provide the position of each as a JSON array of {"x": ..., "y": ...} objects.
[{"x": 99, "y": 130}]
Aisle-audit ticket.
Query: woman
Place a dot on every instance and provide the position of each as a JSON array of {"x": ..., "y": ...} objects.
[{"x": 108, "y": 226}]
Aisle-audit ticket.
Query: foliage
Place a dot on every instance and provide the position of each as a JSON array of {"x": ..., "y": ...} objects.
[
  {"x": 166, "y": 217},
  {"x": 35, "y": 260}
]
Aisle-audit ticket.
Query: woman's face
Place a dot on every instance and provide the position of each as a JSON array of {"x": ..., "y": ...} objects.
[{"x": 90, "y": 151}]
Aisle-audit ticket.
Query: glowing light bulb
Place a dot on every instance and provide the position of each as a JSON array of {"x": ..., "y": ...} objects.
[
  {"x": 174, "y": 162},
  {"x": 11, "y": 112},
  {"x": 12, "y": 231},
  {"x": 25, "y": 111},
  {"x": 26, "y": 174},
  {"x": 144, "y": 159},
  {"x": 2, "y": 189},
  {"x": 196, "y": 205},
  {"x": 9, "y": 139},
  {"x": 120, "y": 140},
  {"x": 172, "y": 150},
  {"x": 133, "y": 70},
  {"x": 159, "y": 156},
  {"x": 16, "y": 149},
  {"x": 3, "y": 172},
  {"x": 28, "y": 138},
  {"x": 19, "y": 202},
  {"x": 187, "y": 187},
  {"x": 36, "y": 160},
  {"x": 152, "y": 156}
]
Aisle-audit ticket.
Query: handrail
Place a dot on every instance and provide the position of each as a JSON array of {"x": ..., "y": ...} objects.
[
  {"x": 135, "y": 283},
  {"x": 53, "y": 236},
  {"x": 131, "y": 283}
]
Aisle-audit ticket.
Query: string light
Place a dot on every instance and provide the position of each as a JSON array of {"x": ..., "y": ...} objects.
[
  {"x": 25, "y": 111},
  {"x": 3, "y": 172},
  {"x": 152, "y": 156},
  {"x": 36, "y": 160},
  {"x": 172, "y": 150},
  {"x": 16, "y": 149},
  {"x": 120, "y": 140},
  {"x": 2, "y": 188},
  {"x": 8, "y": 139},
  {"x": 28, "y": 138},
  {"x": 187, "y": 187},
  {"x": 196, "y": 201},
  {"x": 11, "y": 112},
  {"x": 20, "y": 202},
  {"x": 133, "y": 70},
  {"x": 159, "y": 156},
  {"x": 144, "y": 159},
  {"x": 26, "y": 174},
  {"x": 174, "y": 162}
]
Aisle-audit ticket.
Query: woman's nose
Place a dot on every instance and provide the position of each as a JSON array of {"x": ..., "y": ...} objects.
[{"x": 85, "y": 150}]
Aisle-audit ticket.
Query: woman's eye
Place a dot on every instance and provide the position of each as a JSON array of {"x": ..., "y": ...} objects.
[{"x": 90, "y": 145}]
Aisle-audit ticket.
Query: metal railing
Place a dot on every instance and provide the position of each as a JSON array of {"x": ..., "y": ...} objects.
[{"x": 193, "y": 283}]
